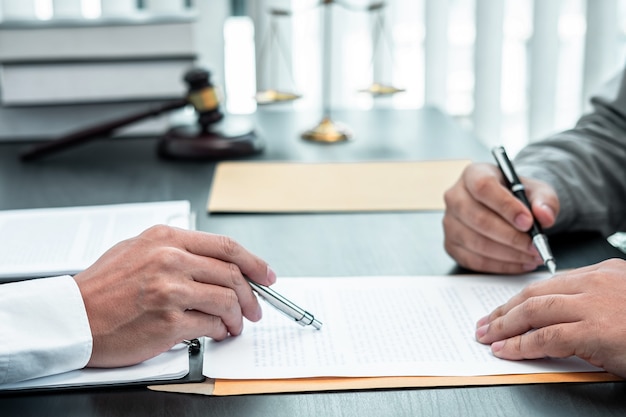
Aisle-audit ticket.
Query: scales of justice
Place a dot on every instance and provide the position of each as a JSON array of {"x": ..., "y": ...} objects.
[{"x": 327, "y": 130}]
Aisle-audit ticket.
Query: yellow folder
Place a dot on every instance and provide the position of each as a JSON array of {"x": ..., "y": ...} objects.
[
  {"x": 296, "y": 187},
  {"x": 224, "y": 387}
]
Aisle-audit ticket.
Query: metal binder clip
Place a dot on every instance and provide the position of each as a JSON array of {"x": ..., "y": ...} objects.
[{"x": 193, "y": 345}]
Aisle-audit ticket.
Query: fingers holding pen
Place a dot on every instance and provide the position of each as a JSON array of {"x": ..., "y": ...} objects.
[
  {"x": 165, "y": 285},
  {"x": 478, "y": 233},
  {"x": 228, "y": 250},
  {"x": 212, "y": 275},
  {"x": 484, "y": 205},
  {"x": 544, "y": 201},
  {"x": 215, "y": 313},
  {"x": 218, "y": 289},
  {"x": 218, "y": 264},
  {"x": 212, "y": 246},
  {"x": 486, "y": 186},
  {"x": 478, "y": 252}
]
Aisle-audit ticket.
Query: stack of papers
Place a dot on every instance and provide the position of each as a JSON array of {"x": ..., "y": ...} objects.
[{"x": 65, "y": 240}]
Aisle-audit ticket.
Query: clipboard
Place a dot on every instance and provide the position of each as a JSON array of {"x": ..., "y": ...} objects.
[{"x": 193, "y": 376}]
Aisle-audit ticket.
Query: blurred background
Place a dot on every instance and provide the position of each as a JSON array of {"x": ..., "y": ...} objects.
[{"x": 511, "y": 71}]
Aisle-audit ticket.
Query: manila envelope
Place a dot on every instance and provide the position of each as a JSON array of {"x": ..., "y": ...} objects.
[{"x": 294, "y": 187}]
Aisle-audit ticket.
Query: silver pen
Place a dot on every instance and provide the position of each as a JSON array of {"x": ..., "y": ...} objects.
[
  {"x": 517, "y": 188},
  {"x": 299, "y": 315}
]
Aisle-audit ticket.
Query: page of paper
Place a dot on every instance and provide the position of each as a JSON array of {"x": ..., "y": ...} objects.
[
  {"x": 172, "y": 364},
  {"x": 66, "y": 240},
  {"x": 377, "y": 326}
]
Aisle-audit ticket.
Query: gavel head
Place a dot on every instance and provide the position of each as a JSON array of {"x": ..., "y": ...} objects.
[{"x": 203, "y": 97}]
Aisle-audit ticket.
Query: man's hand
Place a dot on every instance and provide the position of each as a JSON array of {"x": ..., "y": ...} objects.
[
  {"x": 581, "y": 312},
  {"x": 148, "y": 293},
  {"x": 486, "y": 226}
]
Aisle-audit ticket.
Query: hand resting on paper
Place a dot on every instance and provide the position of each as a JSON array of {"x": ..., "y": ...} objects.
[
  {"x": 148, "y": 293},
  {"x": 485, "y": 225},
  {"x": 581, "y": 312}
]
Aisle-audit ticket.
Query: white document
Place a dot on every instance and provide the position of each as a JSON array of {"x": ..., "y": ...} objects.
[
  {"x": 170, "y": 365},
  {"x": 57, "y": 241},
  {"x": 377, "y": 326}
]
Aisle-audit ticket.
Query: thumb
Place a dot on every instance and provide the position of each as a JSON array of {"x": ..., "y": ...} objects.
[{"x": 544, "y": 202}]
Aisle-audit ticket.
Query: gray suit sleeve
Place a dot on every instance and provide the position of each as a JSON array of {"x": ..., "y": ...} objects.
[{"x": 587, "y": 166}]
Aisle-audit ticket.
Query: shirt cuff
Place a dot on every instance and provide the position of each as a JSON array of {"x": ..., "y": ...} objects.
[{"x": 46, "y": 330}]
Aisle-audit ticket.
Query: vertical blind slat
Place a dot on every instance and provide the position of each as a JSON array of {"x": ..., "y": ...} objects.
[
  {"x": 488, "y": 70},
  {"x": 601, "y": 46},
  {"x": 118, "y": 7},
  {"x": 17, "y": 9},
  {"x": 67, "y": 9},
  {"x": 544, "y": 51},
  {"x": 436, "y": 52}
]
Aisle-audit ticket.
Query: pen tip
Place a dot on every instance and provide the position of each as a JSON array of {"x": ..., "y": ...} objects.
[{"x": 551, "y": 266}]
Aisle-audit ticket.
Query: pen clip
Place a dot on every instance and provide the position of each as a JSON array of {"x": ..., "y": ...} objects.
[{"x": 506, "y": 167}]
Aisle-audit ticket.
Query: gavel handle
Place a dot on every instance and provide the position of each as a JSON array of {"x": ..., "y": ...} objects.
[{"x": 93, "y": 132}]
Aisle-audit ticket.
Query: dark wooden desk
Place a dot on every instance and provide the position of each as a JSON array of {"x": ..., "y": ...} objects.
[{"x": 116, "y": 171}]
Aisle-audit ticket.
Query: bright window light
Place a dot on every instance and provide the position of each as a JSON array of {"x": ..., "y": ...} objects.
[
  {"x": 239, "y": 65},
  {"x": 43, "y": 9},
  {"x": 91, "y": 9}
]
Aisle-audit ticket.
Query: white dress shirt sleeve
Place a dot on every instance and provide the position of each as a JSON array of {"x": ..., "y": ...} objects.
[{"x": 44, "y": 329}]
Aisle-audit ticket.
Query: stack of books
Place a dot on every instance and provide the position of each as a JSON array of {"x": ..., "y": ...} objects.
[{"x": 95, "y": 61}]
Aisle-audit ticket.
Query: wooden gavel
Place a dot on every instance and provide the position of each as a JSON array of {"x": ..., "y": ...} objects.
[{"x": 201, "y": 95}]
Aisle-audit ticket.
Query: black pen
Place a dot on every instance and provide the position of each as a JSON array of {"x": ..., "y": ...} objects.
[{"x": 517, "y": 188}]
